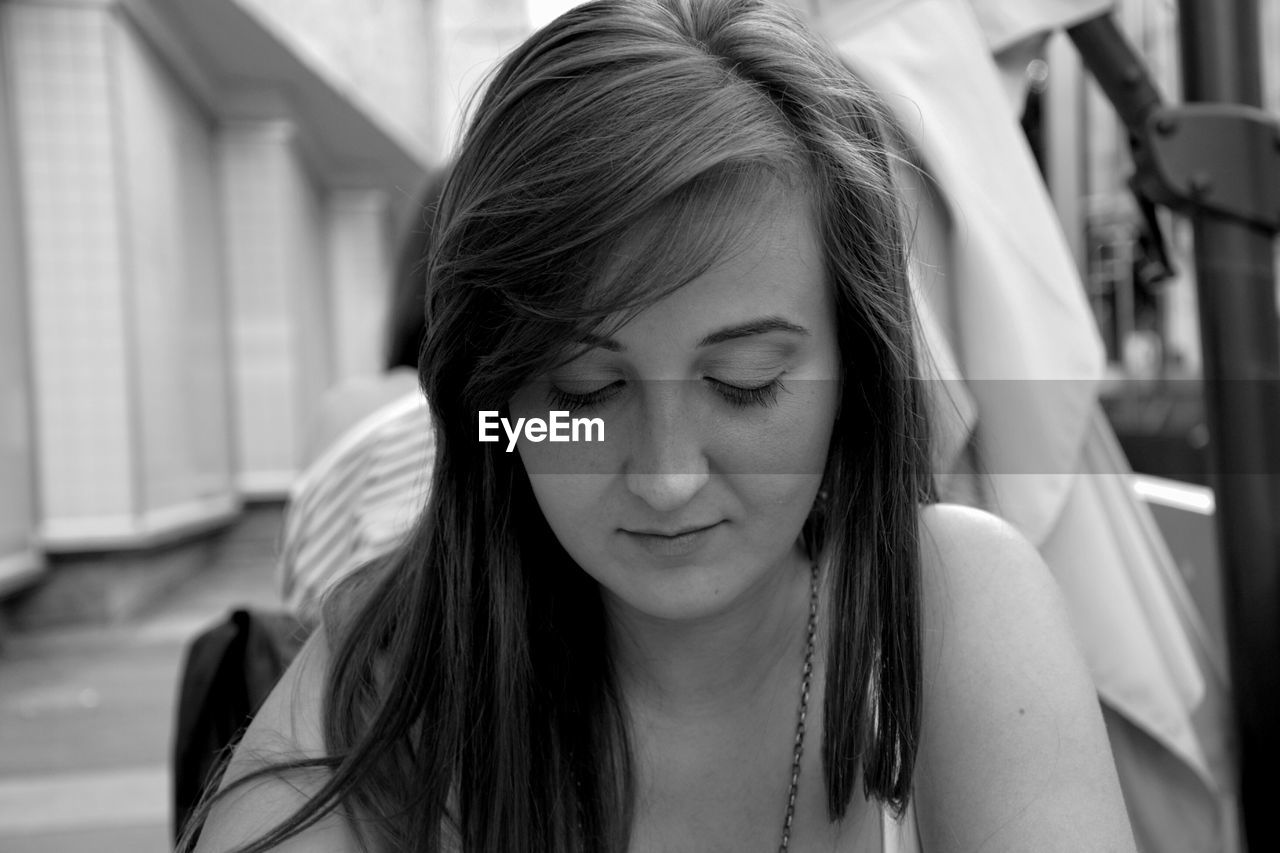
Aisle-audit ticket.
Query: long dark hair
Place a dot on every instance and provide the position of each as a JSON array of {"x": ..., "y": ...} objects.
[{"x": 471, "y": 697}]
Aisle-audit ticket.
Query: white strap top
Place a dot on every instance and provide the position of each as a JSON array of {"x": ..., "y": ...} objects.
[{"x": 899, "y": 836}]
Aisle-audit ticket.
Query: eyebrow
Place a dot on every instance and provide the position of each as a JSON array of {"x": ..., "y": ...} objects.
[{"x": 760, "y": 326}]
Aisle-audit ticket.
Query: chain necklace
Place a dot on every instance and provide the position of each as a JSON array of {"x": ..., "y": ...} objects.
[
  {"x": 804, "y": 710},
  {"x": 805, "y": 681}
]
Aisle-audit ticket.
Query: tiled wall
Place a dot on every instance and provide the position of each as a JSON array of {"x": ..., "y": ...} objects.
[
  {"x": 171, "y": 321},
  {"x": 126, "y": 332},
  {"x": 360, "y": 280},
  {"x": 258, "y": 285},
  {"x": 19, "y": 558},
  {"x": 274, "y": 227},
  {"x": 64, "y": 109},
  {"x": 306, "y": 224},
  {"x": 173, "y": 242}
]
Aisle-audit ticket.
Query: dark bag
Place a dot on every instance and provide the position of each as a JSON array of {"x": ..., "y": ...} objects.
[{"x": 228, "y": 673}]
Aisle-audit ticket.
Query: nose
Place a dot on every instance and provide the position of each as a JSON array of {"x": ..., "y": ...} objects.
[{"x": 668, "y": 463}]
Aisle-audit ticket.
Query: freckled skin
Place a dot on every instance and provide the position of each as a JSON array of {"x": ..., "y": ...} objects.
[{"x": 677, "y": 454}]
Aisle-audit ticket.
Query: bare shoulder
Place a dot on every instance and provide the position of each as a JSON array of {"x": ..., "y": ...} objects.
[
  {"x": 1013, "y": 752},
  {"x": 969, "y": 552},
  {"x": 288, "y": 726}
]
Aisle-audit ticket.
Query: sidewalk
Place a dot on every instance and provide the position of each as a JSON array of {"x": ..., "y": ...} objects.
[{"x": 86, "y": 714}]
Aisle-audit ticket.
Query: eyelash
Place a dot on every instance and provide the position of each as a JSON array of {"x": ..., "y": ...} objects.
[
  {"x": 740, "y": 398},
  {"x": 735, "y": 395},
  {"x": 565, "y": 401}
]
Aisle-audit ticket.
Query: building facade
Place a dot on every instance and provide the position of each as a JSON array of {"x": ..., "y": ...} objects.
[{"x": 199, "y": 201}]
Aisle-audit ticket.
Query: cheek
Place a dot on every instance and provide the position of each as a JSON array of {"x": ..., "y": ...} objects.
[
  {"x": 562, "y": 476},
  {"x": 574, "y": 507},
  {"x": 778, "y": 468},
  {"x": 791, "y": 441}
]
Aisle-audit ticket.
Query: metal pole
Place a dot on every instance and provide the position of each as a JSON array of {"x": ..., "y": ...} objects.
[{"x": 1235, "y": 279}]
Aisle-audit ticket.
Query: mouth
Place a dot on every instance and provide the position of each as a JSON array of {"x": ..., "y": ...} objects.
[
  {"x": 671, "y": 534},
  {"x": 672, "y": 543}
]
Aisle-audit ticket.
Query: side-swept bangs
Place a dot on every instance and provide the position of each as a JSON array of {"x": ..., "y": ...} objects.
[
  {"x": 698, "y": 227},
  {"x": 592, "y": 183}
]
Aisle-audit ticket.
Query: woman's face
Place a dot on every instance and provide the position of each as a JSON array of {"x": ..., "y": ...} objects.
[{"x": 717, "y": 405}]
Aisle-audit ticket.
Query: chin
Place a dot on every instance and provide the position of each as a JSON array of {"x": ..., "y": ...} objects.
[{"x": 677, "y": 593}]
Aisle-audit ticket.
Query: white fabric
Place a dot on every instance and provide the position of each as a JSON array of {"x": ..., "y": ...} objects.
[
  {"x": 1006, "y": 22},
  {"x": 1128, "y": 609},
  {"x": 1010, "y": 262},
  {"x": 899, "y": 836}
]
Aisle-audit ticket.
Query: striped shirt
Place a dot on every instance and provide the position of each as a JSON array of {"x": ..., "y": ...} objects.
[{"x": 356, "y": 501}]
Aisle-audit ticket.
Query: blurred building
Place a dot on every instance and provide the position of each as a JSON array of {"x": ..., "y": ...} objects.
[{"x": 198, "y": 206}]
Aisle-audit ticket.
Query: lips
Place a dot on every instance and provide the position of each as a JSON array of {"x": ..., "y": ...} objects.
[
  {"x": 671, "y": 544},
  {"x": 672, "y": 533}
]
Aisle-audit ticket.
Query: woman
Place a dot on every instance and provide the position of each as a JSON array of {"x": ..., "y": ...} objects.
[{"x": 736, "y": 622}]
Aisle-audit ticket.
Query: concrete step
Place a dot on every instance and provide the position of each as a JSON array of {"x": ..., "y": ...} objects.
[{"x": 111, "y": 588}]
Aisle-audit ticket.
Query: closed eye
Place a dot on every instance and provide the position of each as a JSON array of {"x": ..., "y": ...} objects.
[
  {"x": 563, "y": 400},
  {"x": 741, "y": 397}
]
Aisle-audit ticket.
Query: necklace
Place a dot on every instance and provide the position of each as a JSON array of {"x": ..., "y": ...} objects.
[{"x": 805, "y": 680}]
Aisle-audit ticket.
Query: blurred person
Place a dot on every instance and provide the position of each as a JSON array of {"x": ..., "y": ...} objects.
[
  {"x": 373, "y": 447},
  {"x": 741, "y": 621},
  {"x": 350, "y": 401}
]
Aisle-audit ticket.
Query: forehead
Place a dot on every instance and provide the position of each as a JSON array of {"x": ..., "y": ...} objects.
[
  {"x": 773, "y": 266},
  {"x": 700, "y": 225}
]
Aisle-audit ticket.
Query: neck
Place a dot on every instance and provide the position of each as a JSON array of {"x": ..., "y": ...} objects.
[{"x": 721, "y": 663}]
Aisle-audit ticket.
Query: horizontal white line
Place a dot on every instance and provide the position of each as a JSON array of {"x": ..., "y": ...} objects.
[
  {"x": 1174, "y": 494},
  {"x": 132, "y": 796}
]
